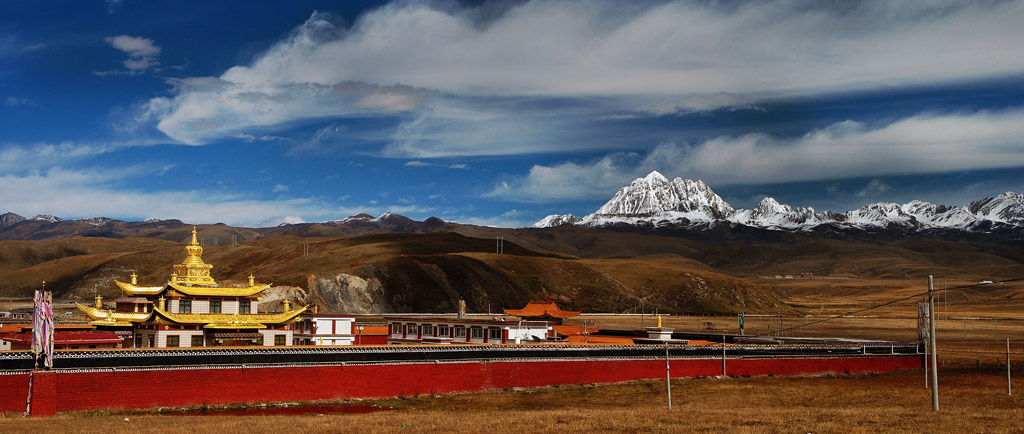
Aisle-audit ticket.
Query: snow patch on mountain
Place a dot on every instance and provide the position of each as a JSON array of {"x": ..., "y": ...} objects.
[{"x": 555, "y": 220}]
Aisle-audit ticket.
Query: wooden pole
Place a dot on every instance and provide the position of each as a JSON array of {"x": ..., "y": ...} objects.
[
  {"x": 723, "y": 355},
  {"x": 926, "y": 363},
  {"x": 1009, "y": 390},
  {"x": 668, "y": 378},
  {"x": 931, "y": 338}
]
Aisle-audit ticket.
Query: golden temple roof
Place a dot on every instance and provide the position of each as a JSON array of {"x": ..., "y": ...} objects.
[
  {"x": 222, "y": 320},
  {"x": 107, "y": 317},
  {"x": 135, "y": 290},
  {"x": 218, "y": 290}
]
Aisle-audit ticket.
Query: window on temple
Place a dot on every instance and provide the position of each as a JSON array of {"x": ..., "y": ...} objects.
[
  {"x": 197, "y": 340},
  {"x": 243, "y": 306},
  {"x": 214, "y": 306},
  {"x": 279, "y": 340},
  {"x": 442, "y": 331},
  {"x": 396, "y": 329},
  {"x": 172, "y": 341},
  {"x": 460, "y": 332},
  {"x": 494, "y": 333},
  {"x": 428, "y": 330},
  {"x": 478, "y": 333},
  {"x": 185, "y": 306}
]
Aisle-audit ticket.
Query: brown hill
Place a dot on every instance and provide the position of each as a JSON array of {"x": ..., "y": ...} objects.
[{"x": 409, "y": 273}]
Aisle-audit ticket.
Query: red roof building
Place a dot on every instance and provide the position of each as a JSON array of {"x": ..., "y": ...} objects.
[
  {"x": 542, "y": 312},
  {"x": 66, "y": 340}
]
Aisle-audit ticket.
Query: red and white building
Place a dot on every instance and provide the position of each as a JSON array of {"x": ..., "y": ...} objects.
[
  {"x": 324, "y": 329},
  {"x": 427, "y": 330}
]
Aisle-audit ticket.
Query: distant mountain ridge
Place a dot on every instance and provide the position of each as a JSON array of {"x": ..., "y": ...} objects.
[
  {"x": 656, "y": 201},
  {"x": 42, "y": 227}
]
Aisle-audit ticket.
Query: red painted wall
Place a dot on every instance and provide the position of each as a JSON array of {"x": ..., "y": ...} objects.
[{"x": 183, "y": 387}]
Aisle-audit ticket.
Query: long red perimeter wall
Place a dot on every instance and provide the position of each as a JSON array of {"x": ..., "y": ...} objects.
[{"x": 62, "y": 391}]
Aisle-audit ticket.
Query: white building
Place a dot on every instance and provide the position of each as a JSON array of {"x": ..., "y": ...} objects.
[
  {"x": 408, "y": 330},
  {"x": 324, "y": 329}
]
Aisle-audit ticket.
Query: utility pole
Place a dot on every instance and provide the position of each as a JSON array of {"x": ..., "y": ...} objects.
[
  {"x": 1009, "y": 390},
  {"x": 931, "y": 339},
  {"x": 668, "y": 378},
  {"x": 723, "y": 355}
]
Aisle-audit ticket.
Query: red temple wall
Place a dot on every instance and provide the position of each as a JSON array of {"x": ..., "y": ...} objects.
[{"x": 111, "y": 389}]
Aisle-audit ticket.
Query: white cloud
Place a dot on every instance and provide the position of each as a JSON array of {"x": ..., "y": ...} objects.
[
  {"x": 417, "y": 163},
  {"x": 393, "y": 59},
  {"x": 34, "y": 47},
  {"x": 90, "y": 193},
  {"x": 874, "y": 188},
  {"x": 142, "y": 53},
  {"x": 21, "y": 158},
  {"x": 13, "y": 101},
  {"x": 113, "y": 5},
  {"x": 249, "y": 138},
  {"x": 924, "y": 143},
  {"x": 700, "y": 104},
  {"x": 277, "y": 221},
  {"x": 280, "y": 188},
  {"x": 509, "y": 219}
]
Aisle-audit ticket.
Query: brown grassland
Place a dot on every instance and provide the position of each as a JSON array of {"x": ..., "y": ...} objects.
[{"x": 972, "y": 382}]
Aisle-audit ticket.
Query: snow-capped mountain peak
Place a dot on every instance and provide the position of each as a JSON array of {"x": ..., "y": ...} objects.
[
  {"x": 1004, "y": 208},
  {"x": 655, "y": 200}
]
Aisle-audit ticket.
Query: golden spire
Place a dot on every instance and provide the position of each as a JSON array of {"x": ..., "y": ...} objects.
[{"x": 193, "y": 270}]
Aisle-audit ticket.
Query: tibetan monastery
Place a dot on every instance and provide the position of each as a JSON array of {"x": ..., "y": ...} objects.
[{"x": 192, "y": 310}]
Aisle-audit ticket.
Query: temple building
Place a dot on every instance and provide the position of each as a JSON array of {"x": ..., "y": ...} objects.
[
  {"x": 536, "y": 311},
  {"x": 193, "y": 310}
]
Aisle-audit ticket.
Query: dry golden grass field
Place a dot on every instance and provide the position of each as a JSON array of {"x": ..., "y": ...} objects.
[{"x": 972, "y": 382}]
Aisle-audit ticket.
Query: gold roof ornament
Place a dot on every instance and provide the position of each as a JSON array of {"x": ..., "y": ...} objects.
[{"x": 193, "y": 271}]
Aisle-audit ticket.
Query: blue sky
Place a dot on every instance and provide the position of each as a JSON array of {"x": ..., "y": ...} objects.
[{"x": 499, "y": 113}]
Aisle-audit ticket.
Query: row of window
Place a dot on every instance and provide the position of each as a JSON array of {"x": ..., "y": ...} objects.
[
  {"x": 174, "y": 341},
  {"x": 185, "y": 306},
  {"x": 443, "y": 331}
]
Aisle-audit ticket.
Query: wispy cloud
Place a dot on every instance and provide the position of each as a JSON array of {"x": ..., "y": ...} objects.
[
  {"x": 919, "y": 144},
  {"x": 699, "y": 56},
  {"x": 264, "y": 138},
  {"x": 21, "y": 158},
  {"x": 280, "y": 188},
  {"x": 417, "y": 163},
  {"x": 874, "y": 188},
  {"x": 699, "y": 104},
  {"x": 90, "y": 193},
  {"x": 13, "y": 101},
  {"x": 510, "y": 219},
  {"x": 142, "y": 54}
]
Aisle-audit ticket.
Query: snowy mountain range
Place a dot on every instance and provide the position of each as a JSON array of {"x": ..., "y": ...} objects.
[{"x": 656, "y": 201}]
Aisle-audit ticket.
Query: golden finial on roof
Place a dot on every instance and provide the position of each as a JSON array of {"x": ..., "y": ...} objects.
[
  {"x": 193, "y": 270},
  {"x": 135, "y": 279},
  {"x": 99, "y": 302},
  {"x": 252, "y": 280}
]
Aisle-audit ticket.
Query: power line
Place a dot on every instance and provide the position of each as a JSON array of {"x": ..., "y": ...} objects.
[{"x": 893, "y": 302}]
